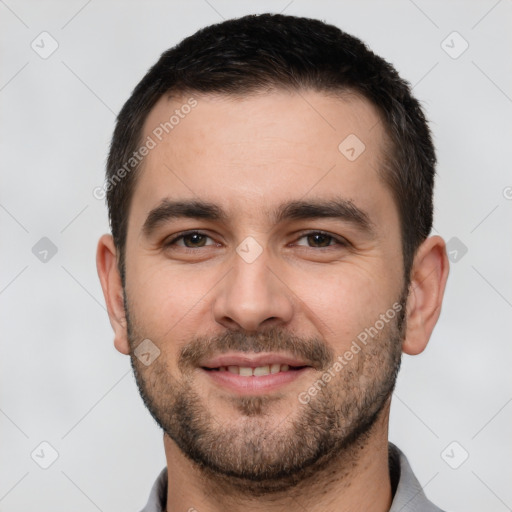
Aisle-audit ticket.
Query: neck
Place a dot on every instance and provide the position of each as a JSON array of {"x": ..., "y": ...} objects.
[{"x": 358, "y": 479}]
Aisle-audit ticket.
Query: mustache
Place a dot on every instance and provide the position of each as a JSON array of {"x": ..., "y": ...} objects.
[{"x": 313, "y": 350}]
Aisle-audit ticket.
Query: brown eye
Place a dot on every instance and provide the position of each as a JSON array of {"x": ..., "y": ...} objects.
[
  {"x": 319, "y": 239},
  {"x": 192, "y": 240}
]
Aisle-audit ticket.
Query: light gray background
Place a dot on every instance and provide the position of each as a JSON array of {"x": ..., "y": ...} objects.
[{"x": 62, "y": 380}]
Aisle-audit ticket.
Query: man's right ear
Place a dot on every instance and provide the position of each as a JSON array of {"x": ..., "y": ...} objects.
[{"x": 108, "y": 272}]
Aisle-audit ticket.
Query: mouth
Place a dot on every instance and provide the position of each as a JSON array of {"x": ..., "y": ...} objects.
[{"x": 257, "y": 373}]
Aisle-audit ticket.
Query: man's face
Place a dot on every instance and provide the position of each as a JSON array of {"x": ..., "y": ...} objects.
[{"x": 300, "y": 255}]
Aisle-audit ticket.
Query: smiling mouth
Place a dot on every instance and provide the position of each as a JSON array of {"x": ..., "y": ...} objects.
[{"x": 258, "y": 371}]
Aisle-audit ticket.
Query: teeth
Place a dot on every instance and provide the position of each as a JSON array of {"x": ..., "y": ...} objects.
[
  {"x": 261, "y": 370},
  {"x": 246, "y": 371}
]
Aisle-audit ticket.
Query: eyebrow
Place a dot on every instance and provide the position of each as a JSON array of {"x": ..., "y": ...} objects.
[{"x": 337, "y": 208}]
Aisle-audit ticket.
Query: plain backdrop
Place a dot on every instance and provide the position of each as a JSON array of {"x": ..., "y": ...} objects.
[{"x": 63, "y": 384}]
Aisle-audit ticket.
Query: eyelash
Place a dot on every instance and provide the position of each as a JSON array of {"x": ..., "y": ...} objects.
[{"x": 342, "y": 242}]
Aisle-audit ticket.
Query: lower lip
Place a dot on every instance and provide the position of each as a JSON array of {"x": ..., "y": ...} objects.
[{"x": 253, "y": 384}]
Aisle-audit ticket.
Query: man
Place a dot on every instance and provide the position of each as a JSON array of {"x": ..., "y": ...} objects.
[{"x": 269, "y": 186}]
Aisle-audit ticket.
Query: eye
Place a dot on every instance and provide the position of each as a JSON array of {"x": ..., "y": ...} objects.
[
  {"x": 320, "y": 239},
  {"x": 313, "y": 239},
  {"x": 190, "y": 240}
]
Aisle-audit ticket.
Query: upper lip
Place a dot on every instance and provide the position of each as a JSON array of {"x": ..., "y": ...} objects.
[{"x": 251, "y": 361}]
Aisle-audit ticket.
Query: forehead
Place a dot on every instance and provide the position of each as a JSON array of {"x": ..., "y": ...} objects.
[{"x": 273, "y": 146}]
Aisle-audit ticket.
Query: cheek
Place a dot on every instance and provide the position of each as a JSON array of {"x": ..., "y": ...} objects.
[
  {"x": 343, "y": 302},
  {"x": 165, "y": 302}
]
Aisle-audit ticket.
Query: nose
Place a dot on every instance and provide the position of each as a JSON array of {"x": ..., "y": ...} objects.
[{"x": 253, "y": 296}]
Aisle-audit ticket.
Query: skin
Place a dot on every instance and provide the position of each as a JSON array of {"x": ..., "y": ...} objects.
[{"x": 249, "y": 155}]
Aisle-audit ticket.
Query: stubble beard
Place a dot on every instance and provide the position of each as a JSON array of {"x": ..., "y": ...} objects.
[{"x": 254, "y": 455}]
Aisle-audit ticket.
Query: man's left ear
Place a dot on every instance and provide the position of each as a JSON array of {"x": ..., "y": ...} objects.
[{"x": 428, "y": 280}]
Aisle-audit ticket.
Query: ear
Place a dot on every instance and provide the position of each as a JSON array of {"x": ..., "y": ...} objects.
[
  {"x": 106, "y": 264},
  {"x": 428, "y": 280}
]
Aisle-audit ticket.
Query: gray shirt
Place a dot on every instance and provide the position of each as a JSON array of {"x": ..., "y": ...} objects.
[{"x": 408, "y": 496}]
